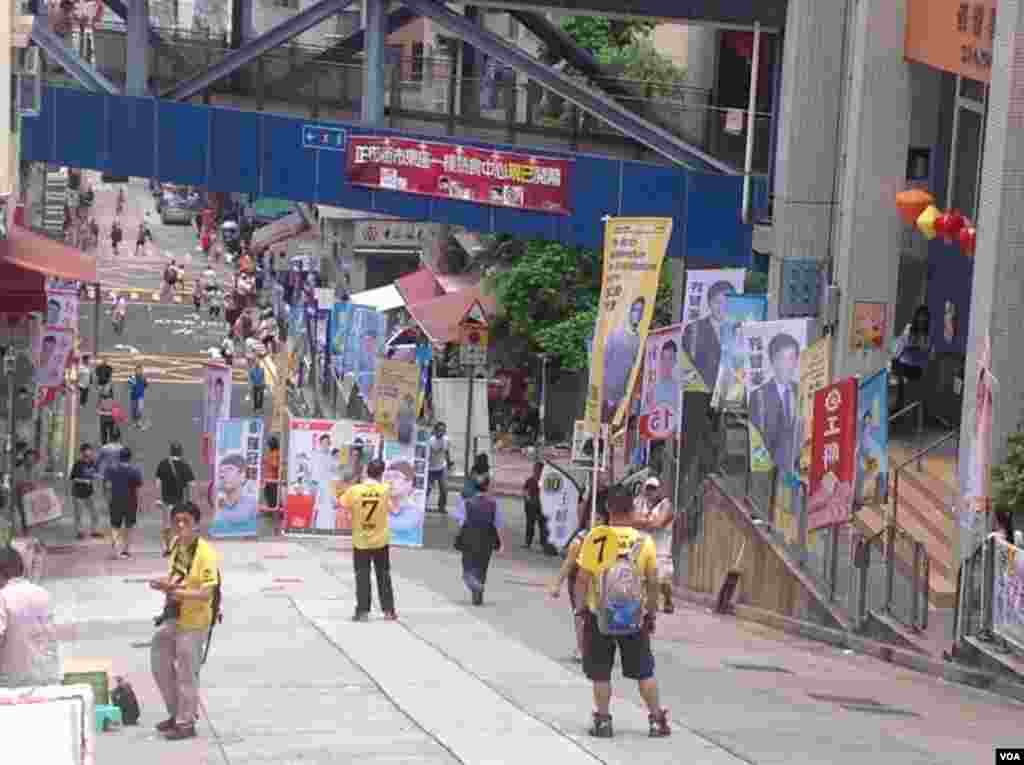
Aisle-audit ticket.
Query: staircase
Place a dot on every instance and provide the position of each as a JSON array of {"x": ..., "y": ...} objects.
[
  {"x": 55, "y": 199},
  {"x": 926, "y": 497}
]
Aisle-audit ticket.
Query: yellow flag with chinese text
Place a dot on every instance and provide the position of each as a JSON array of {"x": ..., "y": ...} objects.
[{"x": 634, "y": 249}]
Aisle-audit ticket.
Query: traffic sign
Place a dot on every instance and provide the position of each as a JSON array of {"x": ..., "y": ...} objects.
[
  {"x": 319, "y": 137},
  {"x": 473, "y": 342}
]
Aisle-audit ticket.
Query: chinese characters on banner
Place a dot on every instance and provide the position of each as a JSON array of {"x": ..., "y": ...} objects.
[
  {"x": 1008, "y": 592},
  {"x": 62, "y": 309},
  {"x": 559, "y": 500},
  {"x": 661, "y": 416},
  {"x": 634, "y": 249},
  {"x": 975, "y": 501},
  {"x": 705, "y": 323},
  {"x": 405, "y": 470},
  {"x": 522, "y": 181},
  {"x": 872, "y": 486},
  {"x": 833, "y": 455},
  {"x": 216, "y": 406},
  {"x": 325, "y": 458},
  {"x": 394, "y": 410},
  {"x": 236, "y": 475},
  {"x": 815, "y": 374},
  {"x": 358, "y": 336},
  {"x": 50, "y": 351},
  {"x": 770, "y": 381}
]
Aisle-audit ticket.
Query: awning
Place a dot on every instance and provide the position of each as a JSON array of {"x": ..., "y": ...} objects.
[
  {"x": 419, "y": 286},
  {"x": 269, "y": 208},
  {"x": 439, "y": 318},
  {"x": 386, "y": 298},
  {"x": 290, "y": 225},
  {"x": 21, "y": 291},
  {"x": 34, "y": 252}
]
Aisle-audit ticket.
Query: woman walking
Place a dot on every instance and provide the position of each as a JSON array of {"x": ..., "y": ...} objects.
[{"x": 481, "y": 535}]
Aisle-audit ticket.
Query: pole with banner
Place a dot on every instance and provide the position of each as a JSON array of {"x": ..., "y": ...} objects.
[{"x": 473, "y": 341}]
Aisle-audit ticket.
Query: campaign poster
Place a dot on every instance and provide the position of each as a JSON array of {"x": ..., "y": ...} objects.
[
  {"x": 1008, "y": 592},
  {"x": 51, "y": 349},
  {"x": 743, "y": 308},
  {"x": 559, "y": 501},
  {"x": 705, "y": 305},
  {"x": 870, "y": 326},
  {"x": 394, "y": 409},
  {"x": 405, "y": 470},
  {"x": 216, "y": 407},
  {"x": 236, "y": 476},
  {"x": 661, "y": 415},
  {"x": 358, "y": 335},
  {"x": 634, "y": 249},
  {"x": 815, "y": 374},
  {"x": 873, "y": 440},
  {"x": 325, "y": 458},
  {"x": 771, "y": 378},
  {"x": 62, "y": 309},
  {"x": 833, "y": 455}
]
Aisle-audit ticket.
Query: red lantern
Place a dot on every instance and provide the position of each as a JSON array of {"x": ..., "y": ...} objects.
[
  {"x": 941, "y": 226},
  {"x": 968, "y": 236},
  {"x": 954, "y": 225}
]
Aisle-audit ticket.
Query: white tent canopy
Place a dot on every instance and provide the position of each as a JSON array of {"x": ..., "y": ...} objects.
[{"x": 385, "y": 298}]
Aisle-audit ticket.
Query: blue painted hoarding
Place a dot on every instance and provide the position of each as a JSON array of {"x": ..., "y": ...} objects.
[{"x": 227, "y": 150}]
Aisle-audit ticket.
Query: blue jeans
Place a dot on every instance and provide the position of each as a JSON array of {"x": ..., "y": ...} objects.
[{"x": 137, "y": 405}]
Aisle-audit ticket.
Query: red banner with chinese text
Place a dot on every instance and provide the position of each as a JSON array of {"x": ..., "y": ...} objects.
[
  {"x": 833, "y": 455},
  {"x": 521, "y": 181}
]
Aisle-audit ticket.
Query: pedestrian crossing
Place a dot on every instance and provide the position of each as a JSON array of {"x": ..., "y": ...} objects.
[
  {"x": 135, "y": 294},
  {"x": 181, "y": 369}
]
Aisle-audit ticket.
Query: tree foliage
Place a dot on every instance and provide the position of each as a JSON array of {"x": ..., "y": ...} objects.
[
  {"x": 549, "y": 295},
  {"x": 625, "y": 48},
  {"x": 1008, "y": 478}
]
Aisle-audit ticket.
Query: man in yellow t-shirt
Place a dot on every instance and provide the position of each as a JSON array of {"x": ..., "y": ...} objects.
[
  {"x": 369, "y": 504},
  {"x": 183, "y": 629},
  {"x": 599, "y": 551}
]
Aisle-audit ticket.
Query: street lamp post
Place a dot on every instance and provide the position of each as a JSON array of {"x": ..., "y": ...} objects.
[{"x": 542, "y": 409}]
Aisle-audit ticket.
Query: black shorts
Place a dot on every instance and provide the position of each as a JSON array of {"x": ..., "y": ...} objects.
[
  {"x": 125, "y": 516},
  {"x": 599, "y": 653},
  {"x": 270, "y": 495}
]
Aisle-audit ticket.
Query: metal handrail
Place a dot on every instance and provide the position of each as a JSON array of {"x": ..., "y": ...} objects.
[{"x": 921, "y": 454}]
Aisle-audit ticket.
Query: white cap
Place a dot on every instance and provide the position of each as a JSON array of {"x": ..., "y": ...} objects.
[{"x": 653, "y": 483}]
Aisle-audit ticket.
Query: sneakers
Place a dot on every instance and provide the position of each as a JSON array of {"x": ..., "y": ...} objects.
[
  {"x": 478, "y": 597},
  {"x": 360, "y": 616},
  {"x": 391, "y": 616},
  {"x": 602, "y": 726},
  {"x": 180, "y": 732},
  {"x": 169, "y": 724},
  {"x": 659, "y": 727}
]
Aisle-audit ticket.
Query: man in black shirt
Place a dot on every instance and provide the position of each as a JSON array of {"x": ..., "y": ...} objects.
[
  {"x": 83, "y": 479},
  {"x": 174, "y": 479},
  {"x": 123, "y": 483}
]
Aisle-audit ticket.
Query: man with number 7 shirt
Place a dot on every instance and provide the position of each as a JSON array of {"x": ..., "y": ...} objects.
[
  {"x": 617, "y": 602},
  {"x": 369, "y": 502}
]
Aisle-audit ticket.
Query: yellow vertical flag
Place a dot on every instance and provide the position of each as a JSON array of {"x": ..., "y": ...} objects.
[
  {"x": 634, "y": 249},
  {"x": 395, "y": 391}
]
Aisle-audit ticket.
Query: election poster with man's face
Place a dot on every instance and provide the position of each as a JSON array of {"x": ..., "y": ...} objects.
[
  {"x": 707, "y": 329},
  {"x": 660, "y": 403},
  {"x": 771, "y": 383}
]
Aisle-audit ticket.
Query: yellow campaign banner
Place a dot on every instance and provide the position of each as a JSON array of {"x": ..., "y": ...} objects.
[
  {"x": 815, "y": 374},
  {"x": 395, "y": 391},
  {"x": 634, "y": 249}
]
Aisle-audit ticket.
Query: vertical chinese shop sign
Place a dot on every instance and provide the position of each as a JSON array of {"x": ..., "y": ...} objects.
[{"x": 833, "y": 455}]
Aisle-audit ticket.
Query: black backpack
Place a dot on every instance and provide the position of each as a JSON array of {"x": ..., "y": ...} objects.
[{"x": 123, "y": 697}]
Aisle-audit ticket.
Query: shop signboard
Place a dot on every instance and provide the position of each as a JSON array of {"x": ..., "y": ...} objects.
[
  {"x": 521, "y": 181},
  {"x": 952, "y": 35}
]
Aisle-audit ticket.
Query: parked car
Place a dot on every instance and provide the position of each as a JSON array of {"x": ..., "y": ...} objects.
[{"x": 175, "y": 213}]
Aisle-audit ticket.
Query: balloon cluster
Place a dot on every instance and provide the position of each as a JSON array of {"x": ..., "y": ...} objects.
[{"x": 917, "y": 208}]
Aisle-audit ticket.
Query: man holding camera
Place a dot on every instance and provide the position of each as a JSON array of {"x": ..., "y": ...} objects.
[{"x": 184, "y": 626}]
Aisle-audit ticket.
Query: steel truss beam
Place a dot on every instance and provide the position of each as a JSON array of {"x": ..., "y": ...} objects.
[
  {"x": 562, "y": 45},
  {"x": 119, "y": 8},
  {"x": 86, "y": 75},
  {"x": 616, "y": 115},
  {"x": 279, "y": 35},
  {"x": 343, "y": 49}
]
